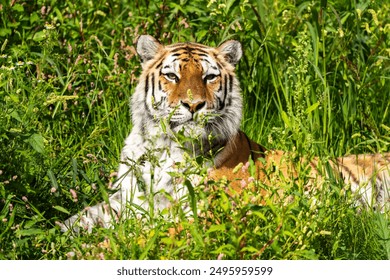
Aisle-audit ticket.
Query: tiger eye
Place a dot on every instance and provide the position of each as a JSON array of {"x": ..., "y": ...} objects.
[
  {"x": 210, "y": 78},
  {"x": 172, "y": 76}
]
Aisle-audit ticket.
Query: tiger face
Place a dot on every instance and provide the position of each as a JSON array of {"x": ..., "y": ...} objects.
[{"x": 191, "y": 86}]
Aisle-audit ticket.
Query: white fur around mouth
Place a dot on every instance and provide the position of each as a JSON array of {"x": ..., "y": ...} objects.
[{"x": 189, "y": 128}]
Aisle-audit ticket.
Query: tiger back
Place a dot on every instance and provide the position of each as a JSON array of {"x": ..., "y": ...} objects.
[{"x": 367, "y": 175}]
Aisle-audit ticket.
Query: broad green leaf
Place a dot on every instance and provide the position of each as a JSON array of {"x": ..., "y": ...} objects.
[
  {"x": 34, "y": 18},
  {"x": 37, "y": 142},
  {"x": 16, "y": 116},
  {"x": 214, "y": 228},
  {"x": 18, "y": 7},
  {"x": 5, "y": 32},
  {"x": 39, "y": 36}
]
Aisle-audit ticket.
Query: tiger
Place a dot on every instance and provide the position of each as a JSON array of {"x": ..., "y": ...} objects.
[{"x": 191, "y": 90}]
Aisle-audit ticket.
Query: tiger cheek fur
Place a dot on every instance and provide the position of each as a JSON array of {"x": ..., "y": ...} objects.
[{"x": 178, "y": 83}]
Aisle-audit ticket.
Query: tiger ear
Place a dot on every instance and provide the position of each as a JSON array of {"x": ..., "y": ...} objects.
[
  {"x": 231, "y": 50},
  {"x": 147, "y": 47}
]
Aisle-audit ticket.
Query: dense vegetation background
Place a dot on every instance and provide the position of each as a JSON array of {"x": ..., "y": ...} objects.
[{"x": 316, "y": 80}]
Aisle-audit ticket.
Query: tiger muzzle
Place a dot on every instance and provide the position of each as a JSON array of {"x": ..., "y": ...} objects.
[{"x": 193, "y": 106}]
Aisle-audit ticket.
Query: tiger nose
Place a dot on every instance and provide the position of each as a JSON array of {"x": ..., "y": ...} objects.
[{"x": 193, "y": 106}]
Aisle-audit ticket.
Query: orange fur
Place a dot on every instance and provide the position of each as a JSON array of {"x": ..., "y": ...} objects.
[{"x": 270, "y": 166}]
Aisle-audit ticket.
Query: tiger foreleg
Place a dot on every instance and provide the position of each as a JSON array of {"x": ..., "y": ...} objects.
[{"x": 118, "y": 205}]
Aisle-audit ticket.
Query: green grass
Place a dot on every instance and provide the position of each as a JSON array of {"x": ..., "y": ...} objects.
[{"x": 315, "y": 79}]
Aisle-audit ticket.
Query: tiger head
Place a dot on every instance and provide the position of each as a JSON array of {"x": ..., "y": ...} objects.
[{"x": 191, "y": 86}]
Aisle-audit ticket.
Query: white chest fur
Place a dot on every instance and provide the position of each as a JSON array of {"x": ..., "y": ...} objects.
[{"x": 146, "y": 164}]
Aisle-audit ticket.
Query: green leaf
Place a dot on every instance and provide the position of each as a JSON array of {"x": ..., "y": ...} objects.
[
  {"x": 152, "y": 239},
  {"x": 167, "y": 241},
  {"x": 312, "y": 107},
  {"x": 193, "y": 199},
  {"x": 201, "y": 34},
  {"x": 250, "y": 249},
  {"x": 197, "y": 236},
  {"x": 285, "y": 119},
  {"x": 5, "y": 32},
  {"x": 18, "y": 8},
  {"x": 34, "y": 18},
  {"x": 37, "y": 142},
  {"x": 214, "y": 228},
  {"x": 260, "y": 215},
  {"x": 16, "y": 116},
  {"x": 59, "y": 14},
  {"x": 224, "y": 202},
  {"x": 52, "y": 178},
  {"x": 39, "y": 36},
  {"x": 31, "y": 231},
  {"x": 14, "y": 97},
  {"x": 61, "y": 209}
]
